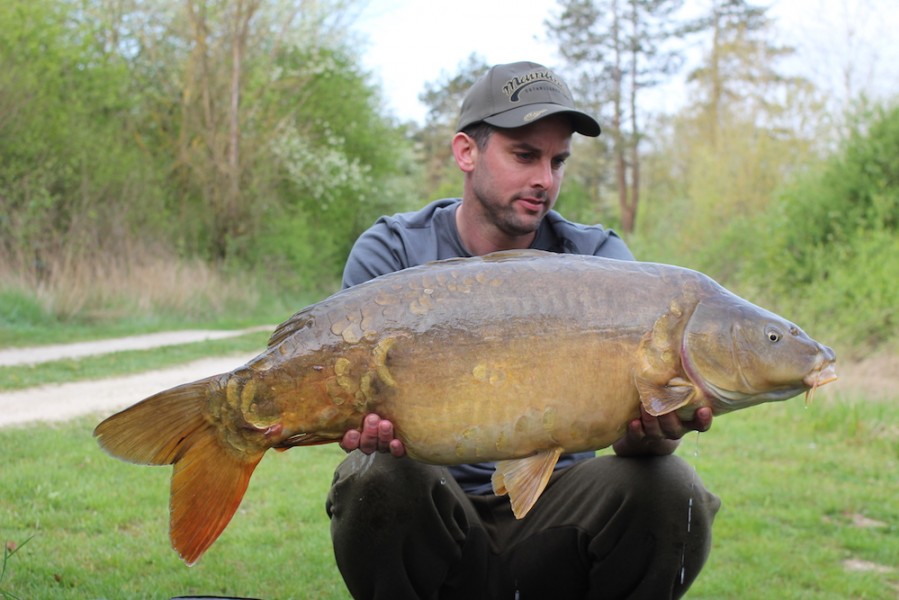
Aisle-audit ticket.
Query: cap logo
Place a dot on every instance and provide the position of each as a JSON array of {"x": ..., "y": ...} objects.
[
  {"x": 516, "y": 85},
  {"x": 533, "y": 115}
]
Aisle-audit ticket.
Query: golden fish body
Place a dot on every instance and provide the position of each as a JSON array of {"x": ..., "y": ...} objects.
[{"x": 516, "y": 357}]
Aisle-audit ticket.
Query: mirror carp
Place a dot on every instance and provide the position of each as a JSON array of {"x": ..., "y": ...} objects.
[{"x": 515, "y": 357}]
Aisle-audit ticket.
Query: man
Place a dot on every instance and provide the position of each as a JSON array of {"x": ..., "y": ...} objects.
[{"x": 636, "y": 524}]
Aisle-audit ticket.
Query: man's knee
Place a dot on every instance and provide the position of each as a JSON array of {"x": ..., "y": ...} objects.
[
  {"x": 671, "y": 485},
  {"x": 378, "y": 484},
  {"x": 657, "y": 480},
  {"x": 417, "y": 520}
]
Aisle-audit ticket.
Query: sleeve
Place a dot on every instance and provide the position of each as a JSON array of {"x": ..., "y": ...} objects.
[
  {"x": 378, "y": 251},
  {"x": 577, "y": 238},
  {"x": 614, "y": 247}
]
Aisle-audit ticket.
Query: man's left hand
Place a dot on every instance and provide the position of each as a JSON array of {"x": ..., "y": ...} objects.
[{"x": 658, "y": 436}]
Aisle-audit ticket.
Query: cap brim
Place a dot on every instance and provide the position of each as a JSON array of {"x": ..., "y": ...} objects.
[{"x": 520, "y": 116}]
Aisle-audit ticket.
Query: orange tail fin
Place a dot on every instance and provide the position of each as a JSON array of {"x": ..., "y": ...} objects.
[{"x": 209, "y": 478}]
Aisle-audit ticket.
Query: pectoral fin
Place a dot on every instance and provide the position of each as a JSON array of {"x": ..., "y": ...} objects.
[
  {"x": 662, "y": 399},
  {"x": 524, "y": 479}
]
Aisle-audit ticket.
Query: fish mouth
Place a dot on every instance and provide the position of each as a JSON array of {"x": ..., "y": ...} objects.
[{"x": 820, "y": 376}]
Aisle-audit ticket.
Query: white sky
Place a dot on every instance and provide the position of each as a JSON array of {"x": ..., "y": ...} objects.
[{"x": 413, "y": 42}]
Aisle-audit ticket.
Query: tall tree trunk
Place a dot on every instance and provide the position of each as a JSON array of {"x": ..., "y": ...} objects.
[
  {"x": 629, "y": 211},
  {"x": 243, "y": 14},
  {"x": 716, "y": 87},
  {"x": 619, "y": 143}
]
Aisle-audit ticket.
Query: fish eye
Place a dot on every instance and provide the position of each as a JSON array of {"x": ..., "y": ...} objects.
[{"x": 773, "y": 335}]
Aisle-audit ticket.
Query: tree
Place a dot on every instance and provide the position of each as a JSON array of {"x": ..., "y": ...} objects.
[
  {"x": 443, "y": 98},
  {"x": 271, "y": 131},
  {"x": 746, "y": 130},
  {"x": 615, "y": 49},
  {"x": 244, "y": 133},
  {"x": 739, "y": 74},
  {"x": 833, "y": 234},
  {"x": 72, "y": 184}
]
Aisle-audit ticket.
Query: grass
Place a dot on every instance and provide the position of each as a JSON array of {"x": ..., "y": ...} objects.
[
  {"x": 35, "y": 326},
  {"x": 116, "y": 306},
  {"x": 810, "y": 503},
  {"x": 77, "y": 296},
  {"x": 810, "y": 510},
  {"x": 100, "y": 526}
]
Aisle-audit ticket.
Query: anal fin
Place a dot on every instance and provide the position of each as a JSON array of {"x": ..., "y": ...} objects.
[{"x": 524, "y": 479}]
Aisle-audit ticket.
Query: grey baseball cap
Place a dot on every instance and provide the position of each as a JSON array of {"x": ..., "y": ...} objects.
[{"x": 517, "y": 94}]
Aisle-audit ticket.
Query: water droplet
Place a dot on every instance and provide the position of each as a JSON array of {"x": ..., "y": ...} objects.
[
  {"x": 683, "y": 559},
  {"x": 690, "y": 515}
]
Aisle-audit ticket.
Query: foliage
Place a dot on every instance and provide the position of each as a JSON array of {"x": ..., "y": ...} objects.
[
  {"x": 739, "y": 74},
  {"x": 832, "y": 235},
  {"x": 334, "y": 177},
  {"x": 199, "y": 158},
  {"x": 71, "y": 180},
  {"x": 815, "y": 245},
  {"x": 243, "y": 134},
  {"x": 614, "y": 51},
  {"x": 443, "y": 98}
]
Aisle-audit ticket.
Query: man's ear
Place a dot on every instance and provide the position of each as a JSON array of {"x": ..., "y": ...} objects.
[{"x": 465, "y": 151}]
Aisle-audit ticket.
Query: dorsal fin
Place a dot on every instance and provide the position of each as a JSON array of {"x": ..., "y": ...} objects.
[{"x": 291, "y": 326}]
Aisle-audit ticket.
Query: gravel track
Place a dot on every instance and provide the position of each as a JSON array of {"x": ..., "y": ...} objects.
[{"x": 61, "y": 402}]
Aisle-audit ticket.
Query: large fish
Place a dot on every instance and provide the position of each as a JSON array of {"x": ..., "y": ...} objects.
[{"x": 515, "y": 357}]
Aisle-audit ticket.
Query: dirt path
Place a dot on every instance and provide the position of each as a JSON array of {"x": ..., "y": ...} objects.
[
  {"x": 28, "y": 356},
  {"x": 60, "y": 402}
]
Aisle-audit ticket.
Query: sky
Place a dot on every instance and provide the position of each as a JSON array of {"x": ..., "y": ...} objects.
[{"x": 413, "y": 42}]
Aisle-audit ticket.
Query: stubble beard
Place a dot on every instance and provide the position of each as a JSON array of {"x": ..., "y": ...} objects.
[{"x": 505, "y": 216}]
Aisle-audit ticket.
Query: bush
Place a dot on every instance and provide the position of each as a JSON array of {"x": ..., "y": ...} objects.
[{"x": 827, "y": 246}]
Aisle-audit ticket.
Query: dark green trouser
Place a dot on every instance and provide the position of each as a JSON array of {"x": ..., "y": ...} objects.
[{"x": 607, "y": 527}]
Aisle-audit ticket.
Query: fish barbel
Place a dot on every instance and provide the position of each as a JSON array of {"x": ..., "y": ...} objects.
[{"x": 515, "y": 357}]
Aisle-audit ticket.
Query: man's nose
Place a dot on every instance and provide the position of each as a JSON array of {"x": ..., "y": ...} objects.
[{"x": 543, "y": 174}]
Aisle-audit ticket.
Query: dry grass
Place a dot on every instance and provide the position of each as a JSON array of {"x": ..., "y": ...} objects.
[
  {"x": 874, "y": 378},
  {"x": 100, "y": 286}
]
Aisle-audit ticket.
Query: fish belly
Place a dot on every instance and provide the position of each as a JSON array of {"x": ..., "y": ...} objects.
[{"x": 472, "y": 399}]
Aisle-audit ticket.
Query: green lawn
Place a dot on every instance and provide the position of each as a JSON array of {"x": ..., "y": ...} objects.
[
  {"x": 100, "y": 526},
  {"x": 810, "y": 510}
]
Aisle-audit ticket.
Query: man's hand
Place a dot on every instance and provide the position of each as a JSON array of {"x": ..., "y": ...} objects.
[
  {"x": 376, "y": 436},
  {"x": 658, "y": 436}
]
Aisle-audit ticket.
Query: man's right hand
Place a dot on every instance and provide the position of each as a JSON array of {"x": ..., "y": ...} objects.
[{"x": 377, "y": 435}]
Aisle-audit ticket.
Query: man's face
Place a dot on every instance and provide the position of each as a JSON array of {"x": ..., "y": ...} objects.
[{"x": 518, "y": 174}]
